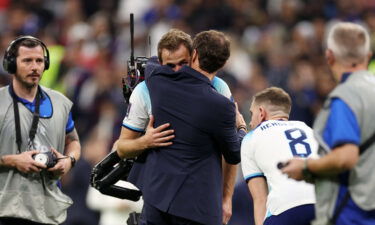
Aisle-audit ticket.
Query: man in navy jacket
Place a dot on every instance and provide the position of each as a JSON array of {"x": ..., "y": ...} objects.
[{"x": 183, "y": 181}]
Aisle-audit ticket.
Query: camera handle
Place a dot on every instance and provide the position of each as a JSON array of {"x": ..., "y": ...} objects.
[{"x": 110, "y": 170}]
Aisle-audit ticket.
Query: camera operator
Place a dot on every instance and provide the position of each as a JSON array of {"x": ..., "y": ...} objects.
[{"x": 38, "y": 140}]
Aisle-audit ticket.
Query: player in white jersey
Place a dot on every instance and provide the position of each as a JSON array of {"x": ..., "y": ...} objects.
[{"x": 273, "y": 139}]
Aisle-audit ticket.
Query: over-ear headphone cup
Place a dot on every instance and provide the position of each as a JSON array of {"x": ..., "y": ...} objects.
[
  {"x": 9, "y": 64},
  {"x": 5, "y": 64},
  {"x": 12, "y": 66},
  {"x": 46, "y": 63}
]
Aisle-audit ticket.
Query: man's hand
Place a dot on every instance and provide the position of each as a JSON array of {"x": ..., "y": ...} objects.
[
  {"x": 23, "y": 162},
  {"x": 157, "y": 137},
  {"x": 294, "y": 168},
  {"x": 227, "y": 210},
  {"x": 62, "y": 166},
  {"x": 131, "y": 144}
]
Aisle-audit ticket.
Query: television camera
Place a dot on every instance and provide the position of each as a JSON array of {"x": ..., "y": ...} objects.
[{"x": 112, "y": 168}]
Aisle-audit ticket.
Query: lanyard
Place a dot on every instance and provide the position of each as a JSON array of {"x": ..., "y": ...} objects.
[{"x": 34, "y": 124}]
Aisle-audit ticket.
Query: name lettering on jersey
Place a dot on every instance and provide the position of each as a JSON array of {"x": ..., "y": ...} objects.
[{"x": 273, "y": 124}]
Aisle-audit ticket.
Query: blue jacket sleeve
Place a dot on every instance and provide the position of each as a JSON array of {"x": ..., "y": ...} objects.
[
  {"x": 342, "y": 126},
  {"x": 226, "y": 136}
]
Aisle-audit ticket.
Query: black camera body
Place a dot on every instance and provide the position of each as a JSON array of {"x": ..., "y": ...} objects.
[
  {"x": 47, "y": 158},
  {"x": 136, "y": 74},
  {"x": 136, "y": 70}
]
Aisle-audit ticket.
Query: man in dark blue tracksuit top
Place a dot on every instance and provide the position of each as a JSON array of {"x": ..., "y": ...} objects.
[{"x": 183, "y": 182}]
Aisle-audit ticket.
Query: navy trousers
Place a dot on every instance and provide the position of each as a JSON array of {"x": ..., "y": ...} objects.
[
  {"x": 153, "y": 216},
  {"x": 16, "y": 221},
  {"x": 300, "y": 215}
]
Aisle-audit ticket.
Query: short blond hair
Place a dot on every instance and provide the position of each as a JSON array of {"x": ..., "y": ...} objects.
[{"x": 276, "y": 99}]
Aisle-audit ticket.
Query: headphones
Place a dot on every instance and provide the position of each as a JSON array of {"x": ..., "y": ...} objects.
[{"x": 9, "y": 61}]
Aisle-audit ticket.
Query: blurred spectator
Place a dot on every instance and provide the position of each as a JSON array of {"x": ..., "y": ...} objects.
[{"x": 301, "y": 84}]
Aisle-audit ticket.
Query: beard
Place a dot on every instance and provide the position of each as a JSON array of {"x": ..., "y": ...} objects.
[{"x": 28, "y": 84}]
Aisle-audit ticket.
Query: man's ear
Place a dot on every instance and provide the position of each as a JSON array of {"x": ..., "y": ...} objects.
[
  {"x": 369, "y": 57},
  {"x": 194, "y": 56},
  {"x": 263, "y": 113},
  {"x": 330, "y": 57}
]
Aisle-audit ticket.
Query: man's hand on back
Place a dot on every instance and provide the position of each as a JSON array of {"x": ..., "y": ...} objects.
[{"x": 159, "y": 136}]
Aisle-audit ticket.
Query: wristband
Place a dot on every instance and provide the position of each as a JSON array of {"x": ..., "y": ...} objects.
[
  {"x": 306, "y": 173},
  {"x": 242, "y": 127},
  {"x": 72, "y": 160}
]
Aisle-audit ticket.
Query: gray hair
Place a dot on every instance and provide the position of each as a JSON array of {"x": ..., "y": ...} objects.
[{"x": 349, "y": 42}]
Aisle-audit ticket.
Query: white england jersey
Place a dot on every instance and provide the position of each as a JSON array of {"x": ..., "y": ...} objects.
[
  {"x": 275, "y": 141},
  {"x": 139, "y": 109}
]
